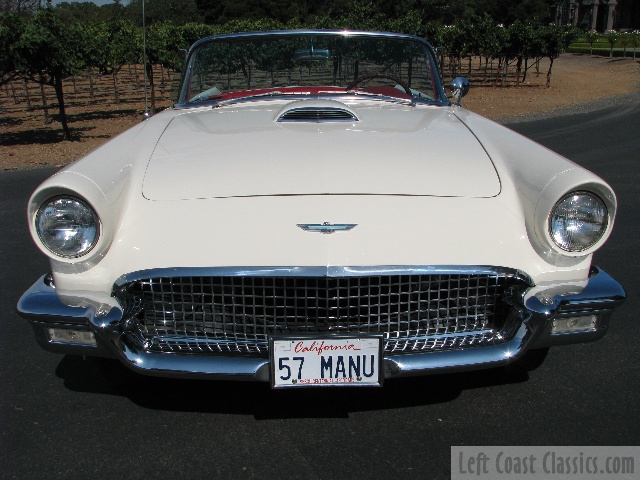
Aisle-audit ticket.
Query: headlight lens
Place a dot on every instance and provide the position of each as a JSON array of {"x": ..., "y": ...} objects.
[
  {"x": 578, "y": 221},
  {"x": 67, "y": 226}
]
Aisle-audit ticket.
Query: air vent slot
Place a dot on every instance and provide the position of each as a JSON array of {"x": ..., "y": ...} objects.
[{"x": 317, "y": 115}]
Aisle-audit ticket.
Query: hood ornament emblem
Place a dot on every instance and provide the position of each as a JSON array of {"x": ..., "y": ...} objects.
[{"x": 326, "y": 227}]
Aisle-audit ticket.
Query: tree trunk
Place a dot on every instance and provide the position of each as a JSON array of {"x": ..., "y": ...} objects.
[
  {"x": 26, "y": 92},
  {"x": 45, "y": 109},
  {"x": 63, "y": 115},
  {"x": 152, "y": 88},
  {"x": 13, "y": 91},
  {"x": 549, "y": 72},
  {"x": 116, "y": 97},
  {"x": 506, "y": 71}
]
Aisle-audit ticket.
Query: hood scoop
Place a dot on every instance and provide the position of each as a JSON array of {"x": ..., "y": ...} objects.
[{"x": 316, "y": 112}]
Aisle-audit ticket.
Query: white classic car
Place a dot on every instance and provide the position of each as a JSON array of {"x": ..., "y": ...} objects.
[{"x": 315, "y": 211}]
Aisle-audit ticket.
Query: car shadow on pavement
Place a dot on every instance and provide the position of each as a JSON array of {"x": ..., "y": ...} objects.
[{"x": 109, "y": 377}]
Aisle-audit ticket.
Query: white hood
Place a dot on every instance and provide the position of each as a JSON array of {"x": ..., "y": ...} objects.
[{"x": 241, "y": 151}]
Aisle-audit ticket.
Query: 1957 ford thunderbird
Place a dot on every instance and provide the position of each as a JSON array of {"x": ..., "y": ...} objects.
[{"x": 315, "y": 211}]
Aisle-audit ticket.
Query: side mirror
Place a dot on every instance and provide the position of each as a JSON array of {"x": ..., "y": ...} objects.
[{"x": 459, "y": 88}]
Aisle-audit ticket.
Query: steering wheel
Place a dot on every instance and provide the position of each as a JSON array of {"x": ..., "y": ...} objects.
[{"x": 369, "y": 76}]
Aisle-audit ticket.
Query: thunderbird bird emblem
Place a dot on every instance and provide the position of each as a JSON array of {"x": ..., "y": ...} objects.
[{"x": 326, "y": 227}]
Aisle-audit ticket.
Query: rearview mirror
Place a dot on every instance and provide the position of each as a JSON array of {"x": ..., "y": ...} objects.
[{"x": 459, "y": 88}]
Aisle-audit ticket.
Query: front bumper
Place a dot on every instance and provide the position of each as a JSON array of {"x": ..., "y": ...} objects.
[{"x": 541, "y": 311}]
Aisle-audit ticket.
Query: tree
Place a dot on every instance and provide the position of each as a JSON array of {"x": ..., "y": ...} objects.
[
  {"x": 363, "y": 16},
  {"x": 11, "y": 29},
  {"x": 508, "y": 11},
  {"x": 612, "y": 38},
  {"x": 521, "y": 41},
  {"x": 554, "y": 40},
  {"x": 625, "y": 41},
  {"x": 284, "y": 11},
  {"x": 164, "y": 44},
  {"x": 591, "y": 36},
  {"x": 110, "y": 46},
  {"x": 635, "y": 41},
  {"x": 19, "y": 7},
  {"x": 177, "y": 12},
  {"x": 192, "y": 32},
  {"x": 82, "y": 12},
  {"x": 50, "y": 51}
]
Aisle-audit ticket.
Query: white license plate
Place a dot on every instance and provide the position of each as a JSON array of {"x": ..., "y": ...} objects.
[{"x": 326, "y": 361}]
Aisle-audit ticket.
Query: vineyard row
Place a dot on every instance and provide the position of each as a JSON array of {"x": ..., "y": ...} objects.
[{"x": 93, "y": 88}]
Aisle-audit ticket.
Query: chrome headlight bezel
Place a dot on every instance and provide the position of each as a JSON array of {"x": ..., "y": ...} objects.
[
  {"x": 67, "y": 226},
  {"x": 578, "y": 222}
]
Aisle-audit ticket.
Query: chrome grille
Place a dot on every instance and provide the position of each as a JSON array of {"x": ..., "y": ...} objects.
[{"x": 237, "y": 314}]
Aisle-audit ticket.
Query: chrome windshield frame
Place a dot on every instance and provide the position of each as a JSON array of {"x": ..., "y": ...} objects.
[{"x": 186, "y": 72}]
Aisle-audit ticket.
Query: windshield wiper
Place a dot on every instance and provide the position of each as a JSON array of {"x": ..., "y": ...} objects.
[
  {"x": 221, "y": 103},
  {"x": 385, "y": 98}
]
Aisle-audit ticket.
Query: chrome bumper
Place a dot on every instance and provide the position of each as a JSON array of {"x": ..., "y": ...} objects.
[{"x": 539, "y": 310}]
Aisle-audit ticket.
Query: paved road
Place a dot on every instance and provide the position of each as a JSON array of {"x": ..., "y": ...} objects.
[{"x": 64, "y": 418}]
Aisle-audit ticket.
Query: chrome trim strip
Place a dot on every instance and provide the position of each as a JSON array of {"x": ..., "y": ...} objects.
[
  {"x": 329, "y": 271},
  {"x": 342, "y": 97}
]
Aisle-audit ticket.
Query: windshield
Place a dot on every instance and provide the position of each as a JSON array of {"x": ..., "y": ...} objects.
[{"x": 270, "y": 64}]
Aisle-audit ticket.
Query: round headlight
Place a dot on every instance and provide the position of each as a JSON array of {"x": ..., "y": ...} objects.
[
  {"x": 67, "y": 226},
  {"x": 578, "y": 221}
]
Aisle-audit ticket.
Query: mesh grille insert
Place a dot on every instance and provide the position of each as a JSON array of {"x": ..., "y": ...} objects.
[{"x": 237, "y": 314}]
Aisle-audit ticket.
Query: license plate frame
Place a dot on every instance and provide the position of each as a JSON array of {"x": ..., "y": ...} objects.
[{"x": 298, "y": 361}]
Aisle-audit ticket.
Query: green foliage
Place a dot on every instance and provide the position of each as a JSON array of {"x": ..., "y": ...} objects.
[
  {"x": 178, "y": 12},
  {"x": 591, "y": 37},
  {"x": 87, "y": 12},
  {"x": 163, "y": 45},
  {"x": 49, "y": 51},
  {"x": 635, "y": 41},
  {"x": 492, "y": 39},
  {"x": 192, "y": 32},
  {"x": 522, "y": 40},
  {"x": 612, "y": 38},
  {"x": 57, "y": 42},
  {"x": 508, "y": 11},
  {"x": 556, "y": 39},
  {"x": 50, "y": 47},
  {"x": 112, "y": 44},
  {"x": 362, "y": 16},
  {"x": 309, "y": 12},
  {"x": 11, "y": 29}
]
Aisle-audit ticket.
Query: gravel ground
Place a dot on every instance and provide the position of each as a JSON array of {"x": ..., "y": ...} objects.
[
  {"x": 579, "y": 83},
  {"x": 618, "y": 101}
]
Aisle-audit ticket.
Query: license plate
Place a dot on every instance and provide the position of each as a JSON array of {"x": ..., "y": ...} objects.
[{"x": 326, "y": 361}]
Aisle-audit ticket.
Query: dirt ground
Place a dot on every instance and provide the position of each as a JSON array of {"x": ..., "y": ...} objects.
[{"x": 25, "y": 142}]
